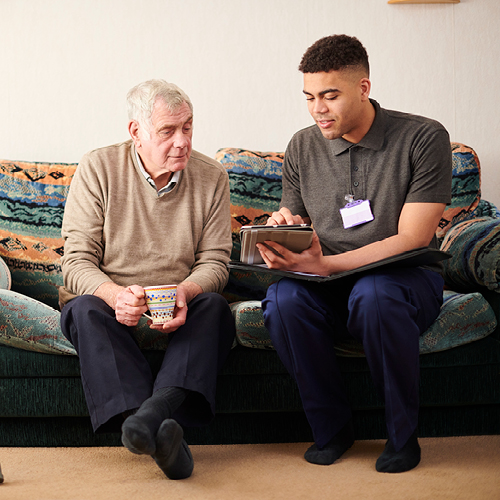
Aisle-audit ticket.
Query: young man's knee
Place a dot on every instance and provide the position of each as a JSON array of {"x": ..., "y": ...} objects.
[{"x": 283, "y": 296}]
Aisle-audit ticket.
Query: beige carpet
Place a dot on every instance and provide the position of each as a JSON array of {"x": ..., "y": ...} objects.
[{"x": 451, "y": 468}]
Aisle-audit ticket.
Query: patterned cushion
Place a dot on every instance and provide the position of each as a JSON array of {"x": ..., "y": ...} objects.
[
  {"x": 463, "y": 318},
  {"x": 250, "y": 329},
  {"x": 475, "y": 246},
  {"x": 31, "y": 325},
  {"x": 5, "y": 278},
  {"x": 465, "y": 188},
  {"x": 32, "y": 199},
  {"x": 255, "y": 184}
]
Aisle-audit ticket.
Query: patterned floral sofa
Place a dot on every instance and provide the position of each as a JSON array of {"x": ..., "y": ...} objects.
[{"x": 41, "y": 400}]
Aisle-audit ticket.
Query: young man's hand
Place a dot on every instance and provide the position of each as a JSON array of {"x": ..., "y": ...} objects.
[
  {"x": 284, "y": 216},
  {"x": 311, "y": 260}
]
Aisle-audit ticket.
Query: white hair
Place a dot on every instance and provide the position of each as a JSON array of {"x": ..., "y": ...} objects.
[{"x": 141, "y": 100}]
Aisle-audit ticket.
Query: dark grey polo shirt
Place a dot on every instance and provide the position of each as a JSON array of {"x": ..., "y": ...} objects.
[{"x": 402, "y": 159}]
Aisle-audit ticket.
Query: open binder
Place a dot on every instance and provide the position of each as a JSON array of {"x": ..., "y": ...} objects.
[{"x": 412, "y": 258}]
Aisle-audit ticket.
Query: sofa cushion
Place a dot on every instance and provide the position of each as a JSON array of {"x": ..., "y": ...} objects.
[
  {"x": 255, "y": 185},
  {"x": 463, "y": 318},
  {"x": 465, "y": 188},
  {"x": 32, "y": 199},
  {"x": 29, "y": 324},
  {"x": 475, "y": 249},
  {"x": 5, "y": 278}
]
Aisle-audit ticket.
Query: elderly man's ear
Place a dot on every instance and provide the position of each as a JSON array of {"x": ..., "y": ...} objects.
[{"x": 133, "y": 130}]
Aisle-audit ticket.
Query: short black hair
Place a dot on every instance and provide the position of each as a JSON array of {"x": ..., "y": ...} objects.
[{"x": 334, "y": 53}]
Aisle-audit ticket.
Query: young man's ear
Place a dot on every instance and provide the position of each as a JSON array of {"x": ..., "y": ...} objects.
[{"x": 365, "y": 87}]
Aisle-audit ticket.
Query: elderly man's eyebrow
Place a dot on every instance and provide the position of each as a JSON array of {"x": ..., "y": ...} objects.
[{"x": 167, "y": 126}]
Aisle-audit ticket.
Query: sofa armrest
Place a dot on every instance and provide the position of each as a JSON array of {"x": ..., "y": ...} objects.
[{"x": 475, "y": 247}]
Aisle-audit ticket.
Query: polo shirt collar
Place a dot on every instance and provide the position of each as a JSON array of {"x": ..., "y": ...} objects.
[{"x": 374, "y": 138}]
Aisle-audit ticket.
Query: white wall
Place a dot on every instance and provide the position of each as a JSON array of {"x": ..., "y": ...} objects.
[{"x": 66, "y": 66}]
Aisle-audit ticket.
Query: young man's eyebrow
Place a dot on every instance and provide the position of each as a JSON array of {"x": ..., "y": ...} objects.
[
  {"x": 329, "y": 91},
  {"x": 323, "y": 92}
]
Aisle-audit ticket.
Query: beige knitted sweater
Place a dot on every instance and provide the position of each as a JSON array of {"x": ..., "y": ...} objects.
[{"x": 116, "y": 227}]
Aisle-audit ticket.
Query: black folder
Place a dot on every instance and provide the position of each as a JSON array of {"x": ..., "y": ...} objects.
[{"x": 412, "y": 258}]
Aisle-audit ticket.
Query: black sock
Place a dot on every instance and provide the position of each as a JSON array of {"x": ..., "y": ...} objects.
[
  {"x": 139, "y": 430},
  {"x": 407, "y": 458},
  {"x": 334, "y": 449},
  {"x": 172, "y": 454}
]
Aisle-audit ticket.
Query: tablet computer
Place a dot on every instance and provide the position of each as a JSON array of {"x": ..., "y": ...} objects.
[{"x": 296, "y": 237}]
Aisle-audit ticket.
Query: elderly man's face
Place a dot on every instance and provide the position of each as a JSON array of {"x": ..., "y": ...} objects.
[{"x": 169, "y": 145}]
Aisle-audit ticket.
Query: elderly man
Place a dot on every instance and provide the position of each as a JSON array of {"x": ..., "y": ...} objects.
[
  {"x": 374, "y": 183},
  {"x": 149, "y": 211}
]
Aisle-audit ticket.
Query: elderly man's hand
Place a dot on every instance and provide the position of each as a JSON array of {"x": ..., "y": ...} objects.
[
  {"x": 186, "y": 291},
  {"x": 130, "y": 304}
]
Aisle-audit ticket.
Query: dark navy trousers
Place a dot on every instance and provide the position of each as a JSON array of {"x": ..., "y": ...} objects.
[
  {"x": 116, "y": 376},
  {"x": 386, "y": 310}
]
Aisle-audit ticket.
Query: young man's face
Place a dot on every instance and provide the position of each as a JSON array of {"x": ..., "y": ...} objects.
[
  {"x": 337, "y": 102},
  {"x": 168, "y": 146}
]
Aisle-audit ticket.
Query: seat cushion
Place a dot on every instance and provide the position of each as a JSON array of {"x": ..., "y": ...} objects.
[
  {"x": 29, "y": 324},
  {"x": 463, "y": 318}
]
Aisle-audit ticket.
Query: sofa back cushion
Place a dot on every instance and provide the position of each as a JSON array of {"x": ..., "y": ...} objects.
[
  {"x": 255, "y": 183},
  {"x": 33, "y": 196},
  {"x": 32, "y": 199}
]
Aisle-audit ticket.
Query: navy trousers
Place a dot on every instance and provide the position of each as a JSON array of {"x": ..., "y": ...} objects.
[
  {"x": 386, "y": 310},
  {"x": 116, "y": 376}
]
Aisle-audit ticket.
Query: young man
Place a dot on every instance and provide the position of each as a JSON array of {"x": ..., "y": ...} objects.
[
  {"x": 149, "y": 211},
  {"x": 396, "y": 168}
]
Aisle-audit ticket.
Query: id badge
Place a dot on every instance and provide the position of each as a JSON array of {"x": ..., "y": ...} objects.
[{"x": 356, "y": 213}]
